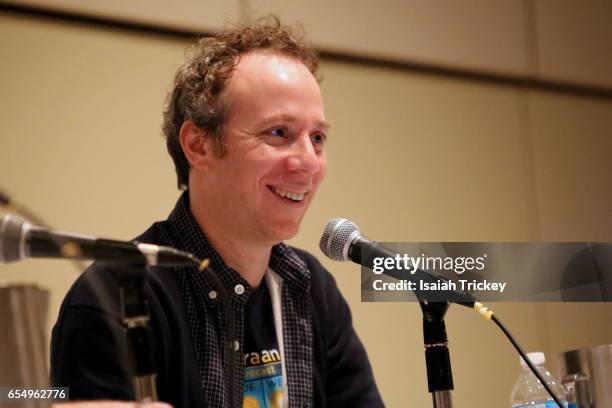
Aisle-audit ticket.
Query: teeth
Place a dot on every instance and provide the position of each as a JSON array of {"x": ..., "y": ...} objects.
[{"x": 290, "y": 195}]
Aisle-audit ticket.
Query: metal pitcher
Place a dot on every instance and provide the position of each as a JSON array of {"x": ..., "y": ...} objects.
[{"x": 587, "y": 375}]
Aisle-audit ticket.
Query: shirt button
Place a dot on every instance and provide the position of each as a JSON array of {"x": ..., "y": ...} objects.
[
  {"x": 239, "y": 289},
  {"x": 236, "y": 345},
  {"x": 212, "y": 294}
]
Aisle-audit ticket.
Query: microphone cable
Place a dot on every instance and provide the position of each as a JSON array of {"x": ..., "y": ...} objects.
[{"x": 489, "y": 315}]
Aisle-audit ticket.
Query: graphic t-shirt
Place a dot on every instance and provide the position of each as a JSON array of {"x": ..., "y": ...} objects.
[{"x": 263, "y": 375}]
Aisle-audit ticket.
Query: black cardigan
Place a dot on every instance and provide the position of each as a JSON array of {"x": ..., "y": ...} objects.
[{"x": 89, "y": 351}]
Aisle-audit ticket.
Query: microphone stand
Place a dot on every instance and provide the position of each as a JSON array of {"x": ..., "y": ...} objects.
[
  {"x": 135, "y": 317},
  {"x": 437, "y": 357}
]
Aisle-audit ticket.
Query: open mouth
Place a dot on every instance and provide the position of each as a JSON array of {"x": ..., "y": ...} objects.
[{"x": 289, "y": 195}]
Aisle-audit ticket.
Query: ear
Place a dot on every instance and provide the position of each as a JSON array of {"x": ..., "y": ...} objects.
[{"x": 196, "y": 145}]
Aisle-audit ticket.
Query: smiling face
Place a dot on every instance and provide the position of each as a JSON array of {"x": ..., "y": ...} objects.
[{"x": 274, "y": 158}]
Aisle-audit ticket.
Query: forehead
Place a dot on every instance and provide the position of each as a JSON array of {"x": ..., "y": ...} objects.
[
  {"x": 264, "y": 76},
  {"x": 270, "y": 65}
]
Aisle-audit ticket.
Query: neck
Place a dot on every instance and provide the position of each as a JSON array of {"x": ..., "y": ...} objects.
[{"x": 248, "y": 258}]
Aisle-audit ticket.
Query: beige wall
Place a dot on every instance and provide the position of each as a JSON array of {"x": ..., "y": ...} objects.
[
  {"x": 559, "y": 40},
  {"x": 412, "y": 158}
]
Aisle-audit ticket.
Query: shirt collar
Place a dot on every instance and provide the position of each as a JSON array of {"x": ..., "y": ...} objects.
[{"x": 191, "y": 238}]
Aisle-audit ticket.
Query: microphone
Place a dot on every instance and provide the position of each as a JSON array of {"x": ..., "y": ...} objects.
[
  {"x": 343, "y": 241},
  {"x": 20, "y": 239}
]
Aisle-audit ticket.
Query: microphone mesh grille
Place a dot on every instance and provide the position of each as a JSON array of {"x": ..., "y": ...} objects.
[
  {"x": 335, "y": 238},
  {"x": 10, "y": 236}
]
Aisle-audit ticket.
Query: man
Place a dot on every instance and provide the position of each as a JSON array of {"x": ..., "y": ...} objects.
[{"x": 265, "y": 325}]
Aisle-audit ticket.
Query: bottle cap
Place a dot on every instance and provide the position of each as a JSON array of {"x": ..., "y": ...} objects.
[{"x": 537, "y": 358}]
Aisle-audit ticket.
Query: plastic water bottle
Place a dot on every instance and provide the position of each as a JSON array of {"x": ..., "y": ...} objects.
[{"x": 529, "y": 392}]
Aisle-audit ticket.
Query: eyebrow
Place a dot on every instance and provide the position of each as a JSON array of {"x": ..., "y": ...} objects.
[{"x": 323, "y": 124}]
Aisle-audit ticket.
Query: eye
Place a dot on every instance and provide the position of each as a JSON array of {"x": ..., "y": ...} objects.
[
  {"x": 319, "y": 139},
  {"x": 276, "y": 136},
  {"x": 278, "y": 131}
]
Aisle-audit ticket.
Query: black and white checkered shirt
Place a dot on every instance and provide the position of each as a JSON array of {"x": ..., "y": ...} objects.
[{"x": 214, "y": 305}]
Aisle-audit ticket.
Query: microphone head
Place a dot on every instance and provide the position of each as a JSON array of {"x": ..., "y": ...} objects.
[
  {"x": 337, "y": 238},
  {"x": 11, "y": 228}
]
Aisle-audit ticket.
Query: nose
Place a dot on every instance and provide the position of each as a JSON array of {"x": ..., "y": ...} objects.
[{"x": 303, "y": 156}]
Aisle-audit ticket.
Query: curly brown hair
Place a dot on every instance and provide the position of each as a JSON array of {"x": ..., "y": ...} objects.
[{"x": 201, "y": 79}]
